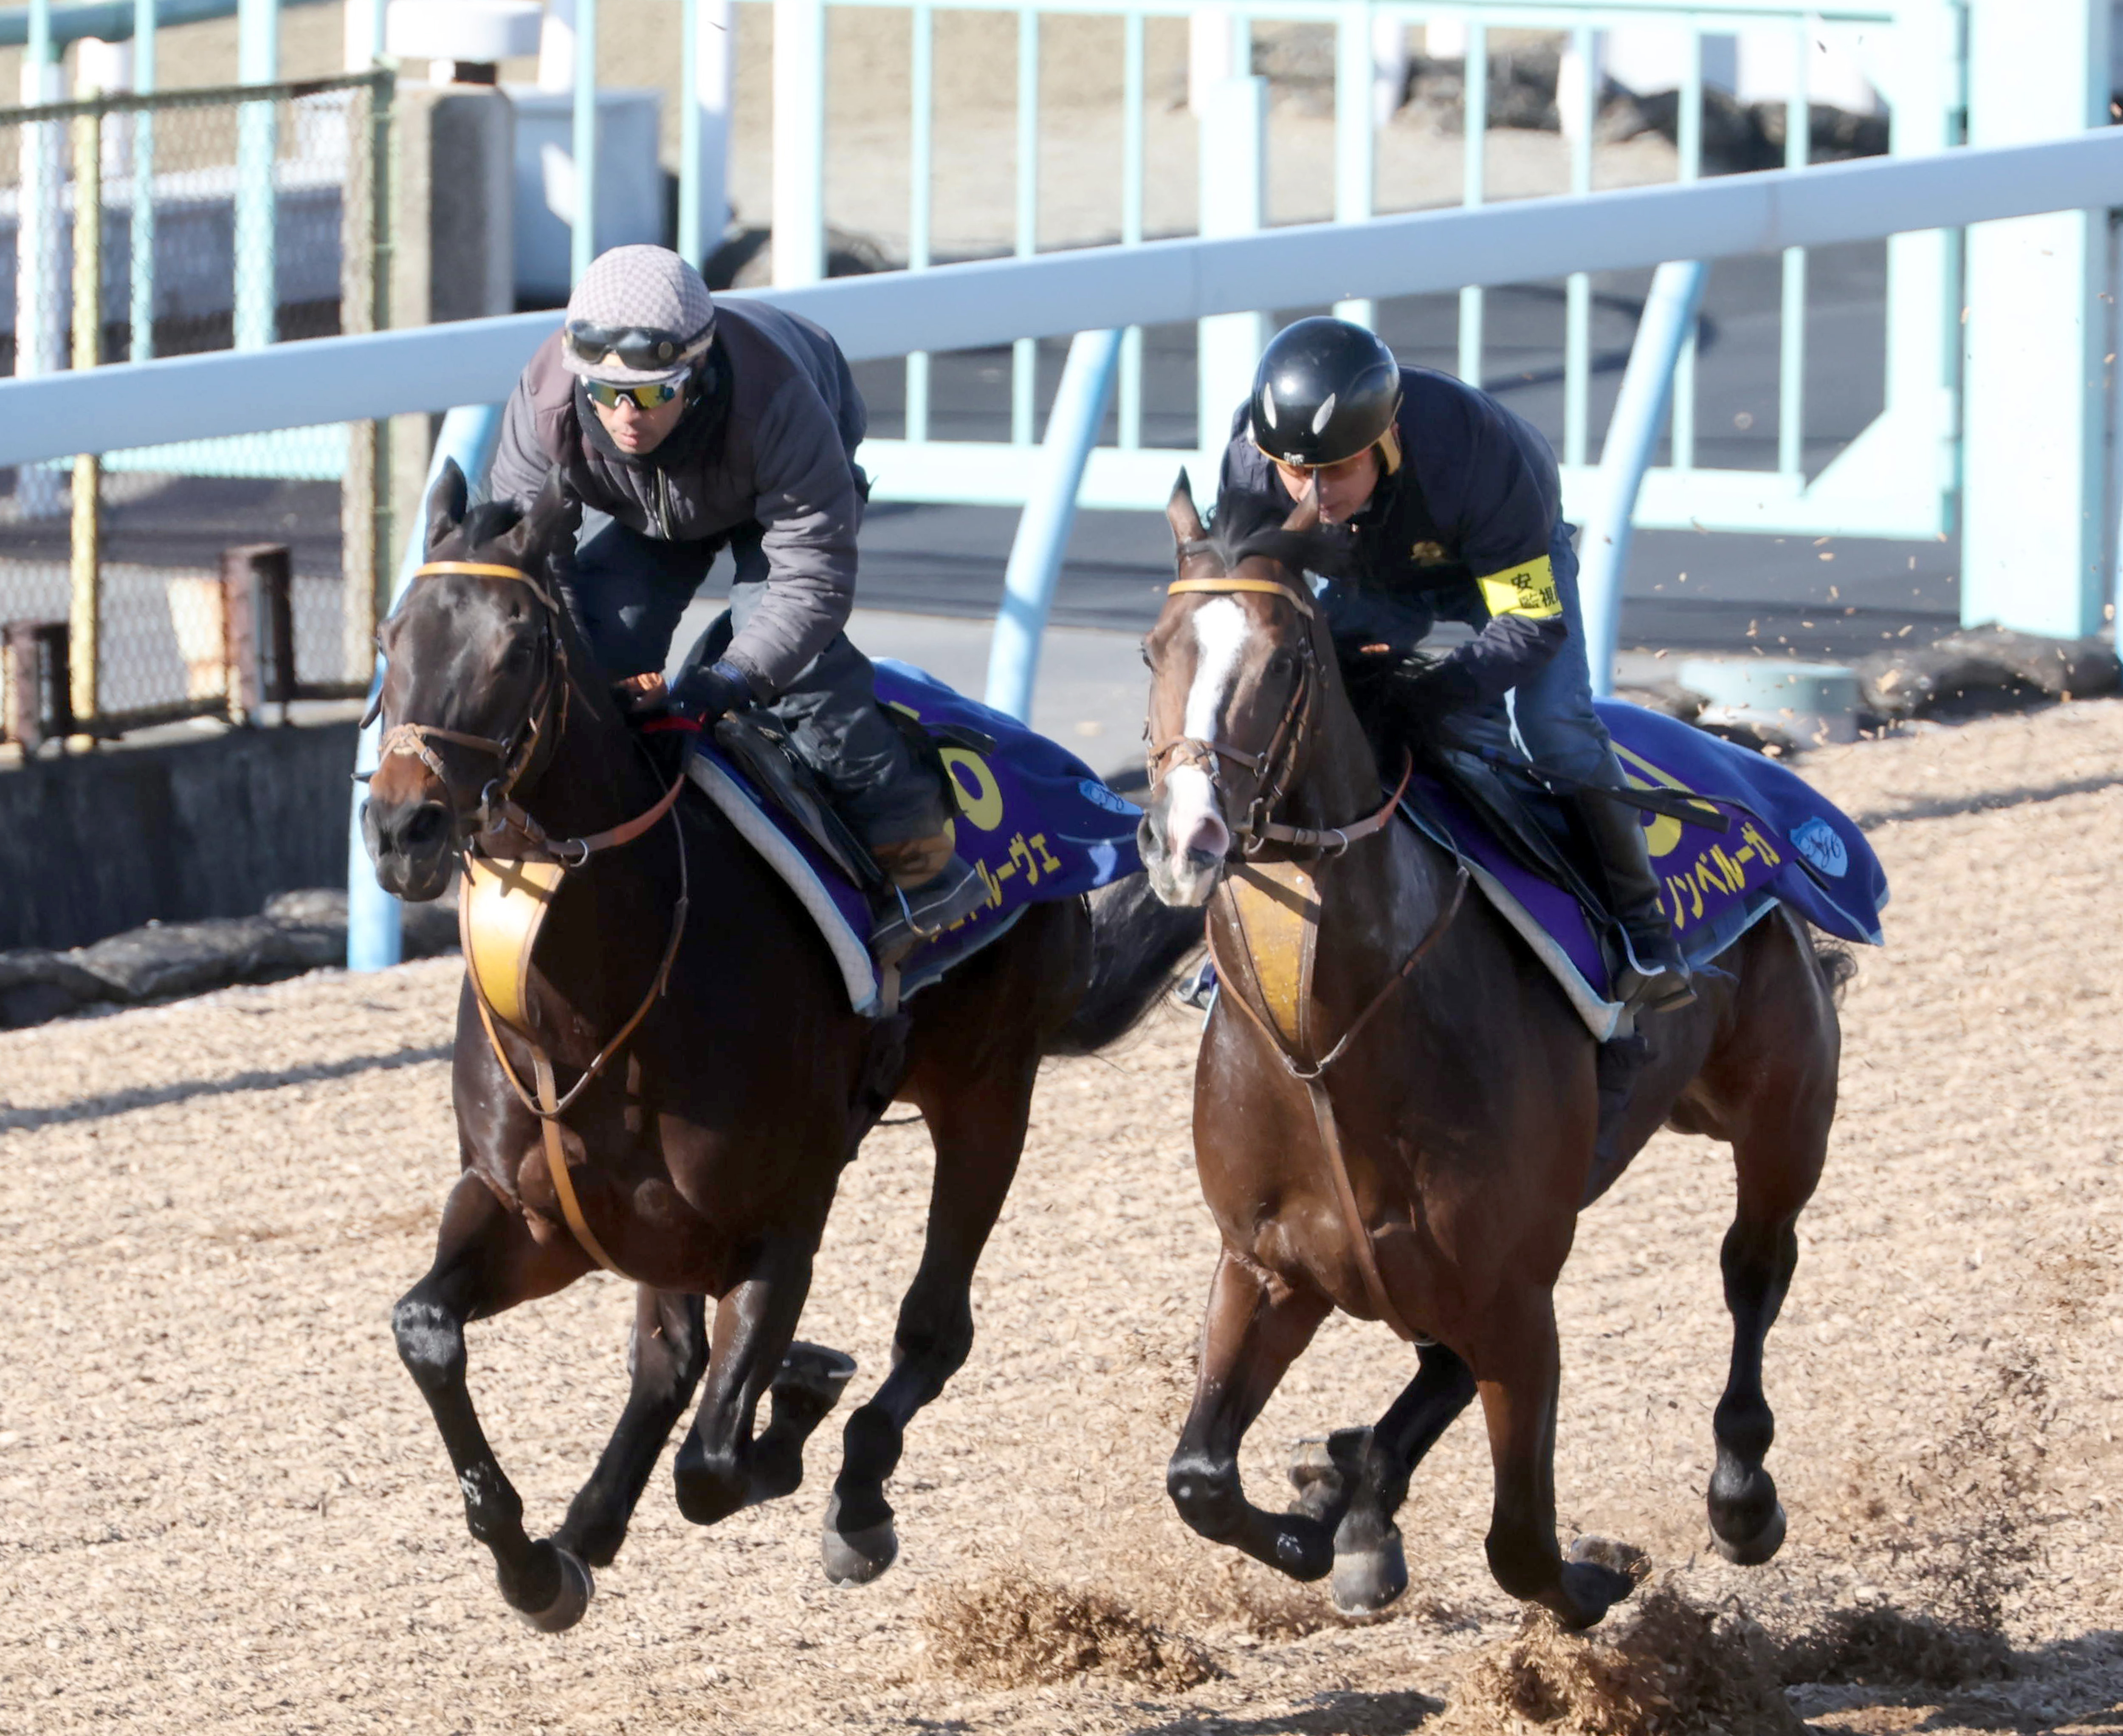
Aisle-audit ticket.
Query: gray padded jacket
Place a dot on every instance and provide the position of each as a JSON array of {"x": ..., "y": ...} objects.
[{"x": 772, "y": 442}]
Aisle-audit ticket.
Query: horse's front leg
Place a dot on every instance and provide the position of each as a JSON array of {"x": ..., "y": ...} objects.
[
  {"x": 1519, "y": 1370},
  {"x": 722, "y": 1467},
  {"x": 1256, "y": 1327},
  {"x": 665, "y": 1353},
  {"x": 486, "y": 1260}
]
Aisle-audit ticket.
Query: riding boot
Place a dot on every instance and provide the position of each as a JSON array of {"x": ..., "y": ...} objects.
[
  {"x": 1617, "y": 1062},
  {"x": 1655, "y": 974},
  {"x": 932, "y": 888}
]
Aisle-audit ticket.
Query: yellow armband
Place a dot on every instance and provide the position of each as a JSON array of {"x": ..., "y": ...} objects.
[{"x": 1526, "y": 589}]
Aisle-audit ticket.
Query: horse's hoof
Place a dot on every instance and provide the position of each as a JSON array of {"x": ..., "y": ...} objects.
[
  {"x": 1366, "y": 1582},
  {"x": 815, "y": 1373},
  {"x": 577, "y": 1588},
  {"x": 857, "y": 1557},
  {"x": 1626, "y": 1559},
  {"x": 1320, "y": 1470},
  {"x": 1753, "y": 1552}
]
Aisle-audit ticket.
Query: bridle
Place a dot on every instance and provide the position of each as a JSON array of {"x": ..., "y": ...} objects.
[
  {"x": 1274, "y": 765},
  {"x": 499, "y": 815}
]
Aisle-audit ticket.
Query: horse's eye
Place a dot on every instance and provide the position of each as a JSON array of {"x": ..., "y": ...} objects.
[
  {"x": 518, "y": 657},
  {"x": 1281, "y": 664}
]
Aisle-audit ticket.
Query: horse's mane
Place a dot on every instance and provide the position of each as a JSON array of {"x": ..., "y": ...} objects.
[{"x": 1246, "y": 521}]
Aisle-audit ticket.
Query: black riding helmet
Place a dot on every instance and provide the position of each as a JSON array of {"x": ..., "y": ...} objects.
[{"x": 1325, "y": 390}]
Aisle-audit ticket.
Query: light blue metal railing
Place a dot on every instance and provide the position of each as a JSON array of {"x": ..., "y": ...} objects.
[{"x": 1896, "y": 480}]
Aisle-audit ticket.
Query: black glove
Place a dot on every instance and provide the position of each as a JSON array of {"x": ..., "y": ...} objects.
[
  {"x": 1423, "y": 696},
  {"x": 706, "y": 694}
]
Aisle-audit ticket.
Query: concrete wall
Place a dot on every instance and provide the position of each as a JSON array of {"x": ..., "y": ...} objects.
[{"x": 96, "y": 843}]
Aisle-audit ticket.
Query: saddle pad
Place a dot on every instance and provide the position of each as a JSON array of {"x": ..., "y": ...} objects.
[
  {"x": 1033, "y": 821},
  {"x": 1787, "y": 843}
]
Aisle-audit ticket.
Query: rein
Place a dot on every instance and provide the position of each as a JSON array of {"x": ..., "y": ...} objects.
[
  {"x": 1274, "y": 767},
  {"x": 498, "y": 810}
]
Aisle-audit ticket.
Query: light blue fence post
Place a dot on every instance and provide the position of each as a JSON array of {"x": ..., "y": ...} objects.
[
  {"x": 583, "y": 238},
  {"x": 1050, "y": 508},
  {"x": 709, "y": 50},
  {"x": 799, "y": 214},
  {"x": 1640, "y": 410},
  {"x": 257, "y": 144},
  {"x": 374, "y": 934},
  {"x": 141, "y": 345}
]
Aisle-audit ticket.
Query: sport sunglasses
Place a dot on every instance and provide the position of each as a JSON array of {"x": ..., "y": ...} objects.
[
  {"x": 638, "y": 347},
  {"x": 645, "y": 398}
]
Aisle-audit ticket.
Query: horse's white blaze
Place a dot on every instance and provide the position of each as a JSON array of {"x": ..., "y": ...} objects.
[{"x": 1192, "y": 820}]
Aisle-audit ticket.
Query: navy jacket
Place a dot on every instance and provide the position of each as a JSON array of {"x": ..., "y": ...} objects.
[{"x": 1467, "y": 526}]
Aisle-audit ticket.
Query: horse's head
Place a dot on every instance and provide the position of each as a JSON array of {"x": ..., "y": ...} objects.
[
  {"x": 1236, "y": 661},
  {"x": 476, "y": 676}
]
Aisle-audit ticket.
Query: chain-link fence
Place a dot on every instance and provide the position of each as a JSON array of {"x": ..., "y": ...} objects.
[{"x": 137, "y": 227}]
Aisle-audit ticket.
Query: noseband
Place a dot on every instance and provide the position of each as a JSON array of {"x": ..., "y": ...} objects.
[{"x": 1273, "y": 766}]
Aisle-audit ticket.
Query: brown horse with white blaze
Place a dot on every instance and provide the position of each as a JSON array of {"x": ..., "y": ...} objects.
[
  {"x": 700, "y": 1077},
  {"x": 1394, "y": 1104}
]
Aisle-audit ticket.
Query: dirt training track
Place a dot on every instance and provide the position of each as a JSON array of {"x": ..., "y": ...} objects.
[{"x": 223, "y": 1505}]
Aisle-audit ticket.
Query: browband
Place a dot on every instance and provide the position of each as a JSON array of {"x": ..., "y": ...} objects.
[
  {"x": 485, "y": 570},
  {"x": 1265, "y": 587}
]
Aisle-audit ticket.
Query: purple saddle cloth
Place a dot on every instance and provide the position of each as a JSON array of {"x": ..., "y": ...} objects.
[
  {"x": 1785, "y": 842},
  {"x": 1034, "y": 820}
]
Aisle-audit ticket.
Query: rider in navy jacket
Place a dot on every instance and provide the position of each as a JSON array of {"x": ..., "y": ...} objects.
[{"x": 1453, "y": 510}]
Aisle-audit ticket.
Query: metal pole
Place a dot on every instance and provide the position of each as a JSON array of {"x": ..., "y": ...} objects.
[
  {"x": 1355, "y": 137},
  {"x": 375, "y": 938},
  {"x": 799, "y": 142},
  {"x": 140, "y": 346},
  {"x": 920, "y": 172},
  {"x": 85, "y": 563},
  {"x": 583, "y": 237},
  {"x": 1050, "y": 508},
  {"x": 40, "y": 339},
  {"x": 1024, "y": 352},
  {"x": 709, "y": 50},
  {"x": 1640, "y": 408},
  {"x": 257, "y": 145}
]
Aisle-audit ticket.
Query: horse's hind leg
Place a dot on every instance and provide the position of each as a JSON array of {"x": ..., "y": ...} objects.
[
  {"x": 665, "y": 1353},
  {"x": 978, "y": 1130},
  {"x": 1356, "y": 1479},
  {"x": 486, "y": 1260},
  {"x": 1779, "y": 1132},
  {"x": 722, "y": 1466},
  {"x": 1255, "y": 1328}
]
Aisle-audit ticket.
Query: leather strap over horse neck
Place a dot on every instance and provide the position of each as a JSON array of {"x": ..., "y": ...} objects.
[
  {"x": 548, "y": 1104},
  {"x": 1322, "y": 1105}
]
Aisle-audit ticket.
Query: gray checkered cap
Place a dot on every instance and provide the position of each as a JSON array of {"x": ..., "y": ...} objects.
[{"x": 651, "y": 288}]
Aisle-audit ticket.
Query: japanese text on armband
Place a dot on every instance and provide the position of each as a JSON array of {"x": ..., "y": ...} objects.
[{"x": 1528, "y": 589}]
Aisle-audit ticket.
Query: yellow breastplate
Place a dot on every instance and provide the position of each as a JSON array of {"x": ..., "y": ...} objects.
[
  {"x": 1277, "y": 908},
  {"x": 501, "y": 908}
]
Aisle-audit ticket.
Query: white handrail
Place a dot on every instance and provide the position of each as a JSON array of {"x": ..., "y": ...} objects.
[{"x": 436, "y": 367}]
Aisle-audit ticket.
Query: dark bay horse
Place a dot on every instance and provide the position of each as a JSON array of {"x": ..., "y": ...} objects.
[
  {"x": 1394, "y": 1106},
  {"x": 702, "y": 1144}
]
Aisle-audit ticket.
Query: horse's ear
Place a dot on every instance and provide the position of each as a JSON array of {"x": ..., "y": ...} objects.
[
  {"x": 445, "y": 503},
  {"x": 1305, "y": 516},
  {"x": 550, "y": 526},
  {"x": 1179, "y": 512}
]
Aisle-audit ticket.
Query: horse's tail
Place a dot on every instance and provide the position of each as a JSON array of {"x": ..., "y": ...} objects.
[
  {"x": 1837, "y": 965},
  {"x": 1136, "y": 942}
]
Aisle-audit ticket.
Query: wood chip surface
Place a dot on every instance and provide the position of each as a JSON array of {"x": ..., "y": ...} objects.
[{"x": 223, "y": 1505}]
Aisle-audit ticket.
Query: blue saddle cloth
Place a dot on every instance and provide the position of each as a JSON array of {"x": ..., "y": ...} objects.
[
  {"x": 1786, "y": 843},
  {"x": 1034, "y": 820}
]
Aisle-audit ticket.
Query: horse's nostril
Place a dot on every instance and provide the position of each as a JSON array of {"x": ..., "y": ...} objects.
[{"x": 426, "y": 826}]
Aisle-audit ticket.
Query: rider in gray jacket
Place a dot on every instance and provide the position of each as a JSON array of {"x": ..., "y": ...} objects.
[{"x": 685, "y": 427}]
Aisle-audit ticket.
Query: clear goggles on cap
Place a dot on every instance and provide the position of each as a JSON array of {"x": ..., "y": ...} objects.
[{"x": 641, "y": 348}]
